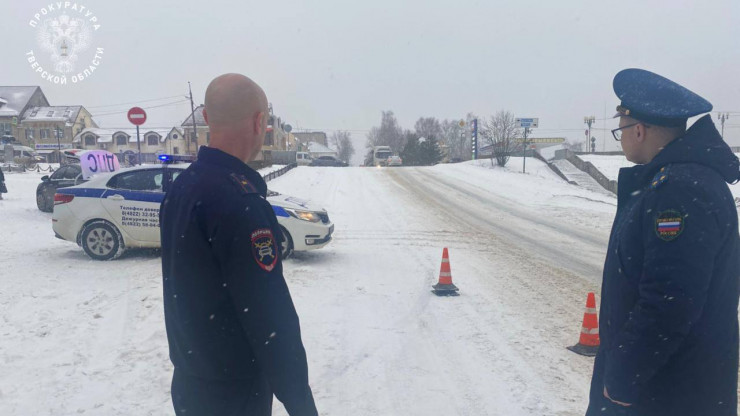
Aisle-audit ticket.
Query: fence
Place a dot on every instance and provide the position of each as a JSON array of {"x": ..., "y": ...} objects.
[
  {"x": 280, "y": 172},
  {"x": 23, "y": 168}
]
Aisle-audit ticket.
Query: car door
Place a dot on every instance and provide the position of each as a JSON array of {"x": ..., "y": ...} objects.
[{"x": 132, "y": 201}]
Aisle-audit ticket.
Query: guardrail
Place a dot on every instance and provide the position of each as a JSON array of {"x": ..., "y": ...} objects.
[{"x": 280, "y": 172}]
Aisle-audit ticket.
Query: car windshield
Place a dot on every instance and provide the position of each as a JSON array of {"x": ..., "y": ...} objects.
[{"x": 380, "y": 208}]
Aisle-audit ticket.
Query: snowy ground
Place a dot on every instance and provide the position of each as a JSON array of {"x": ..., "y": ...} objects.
[{"x": 85, "y": 337}]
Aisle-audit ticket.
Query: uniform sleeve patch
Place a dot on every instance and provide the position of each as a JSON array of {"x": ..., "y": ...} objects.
[
  {"x": 264, "y": 249},
  {"x": 669, "y": 225}
]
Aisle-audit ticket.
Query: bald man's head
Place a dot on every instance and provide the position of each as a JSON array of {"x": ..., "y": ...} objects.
[
  {"x": 236, "y": 113},
  {"x": 233, "y": 98}
]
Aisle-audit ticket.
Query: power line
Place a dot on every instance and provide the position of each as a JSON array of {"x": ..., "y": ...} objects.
[
  {"x": 135, "y": 102},
  {"x": 146, "y": 108}
]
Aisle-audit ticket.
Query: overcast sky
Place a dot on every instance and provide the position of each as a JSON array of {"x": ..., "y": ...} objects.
[{"x": 330, "y": 65}]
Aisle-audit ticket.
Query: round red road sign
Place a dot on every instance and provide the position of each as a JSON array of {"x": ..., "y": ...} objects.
[{"x": 137, "y": 116}]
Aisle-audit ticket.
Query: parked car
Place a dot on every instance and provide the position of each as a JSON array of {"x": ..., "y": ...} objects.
[
  {"x": 116, "y": 211},
  {"x": 395, "y": 160},
  {"x": 303, "y": 158},
  {"x": 328, "y": 161},
  {"x": 68, "y": 175}
]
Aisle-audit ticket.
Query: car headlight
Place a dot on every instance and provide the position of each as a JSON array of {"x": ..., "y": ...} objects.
[{"x": 304, "y": 215}]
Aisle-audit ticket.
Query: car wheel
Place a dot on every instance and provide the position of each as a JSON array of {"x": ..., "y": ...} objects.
[
  {"x": 42, "y": 203},
  {"x": 286, "y": 247},
  {"x": 101, "y": 241}
]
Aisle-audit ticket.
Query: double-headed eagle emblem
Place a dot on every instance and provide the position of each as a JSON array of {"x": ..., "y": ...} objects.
[{"x": 64, "y": 37}]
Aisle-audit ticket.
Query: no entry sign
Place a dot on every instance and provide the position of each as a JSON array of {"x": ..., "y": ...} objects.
[{"x": 137, "y": 116}]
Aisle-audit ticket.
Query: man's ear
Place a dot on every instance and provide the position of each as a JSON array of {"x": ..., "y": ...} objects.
[
  {"x": 258, "y": 123},
  {"x": 205, "y": 115},
  {"x": 640, "y": 131}
]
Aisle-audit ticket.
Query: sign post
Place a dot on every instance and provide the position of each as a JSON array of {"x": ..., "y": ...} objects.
[
  {"x": 526, "y": 123},
  {"x": 137, "y": 117}
]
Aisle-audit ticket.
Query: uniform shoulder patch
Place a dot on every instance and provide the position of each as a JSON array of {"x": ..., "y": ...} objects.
[
  {"x": 659, "y": 179},
  {"x": 669, "y": 225},
  {"x": 264, "y": 249},
  {"x": 243, "y": 183}
]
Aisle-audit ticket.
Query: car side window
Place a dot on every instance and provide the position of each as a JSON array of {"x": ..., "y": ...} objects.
[
  {"x": 140, "y": 180},
  {"x": 59, "y": 174},
  {"x": 70, "y": 173}
]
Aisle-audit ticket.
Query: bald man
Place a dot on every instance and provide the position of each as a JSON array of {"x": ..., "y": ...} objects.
[{"x": 232, "y": 328}]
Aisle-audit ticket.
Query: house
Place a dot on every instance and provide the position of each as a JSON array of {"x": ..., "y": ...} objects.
[
  {"x": 153, "y": 142},
  {"x": 14, "y": 101},
  {"x": 311, "y": 136},
  {"x": 202, "y": 135},
  {"x": 51, "y": 128},
  {"x": 317, "y": 150},
  {"x": 276, "y": 137}
]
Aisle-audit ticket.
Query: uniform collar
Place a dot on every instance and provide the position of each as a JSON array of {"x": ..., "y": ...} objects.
[{"x": 228, "y": 162}]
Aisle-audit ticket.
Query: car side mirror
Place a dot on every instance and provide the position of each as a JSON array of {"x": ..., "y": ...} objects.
[{"x": 45, "y": 178}]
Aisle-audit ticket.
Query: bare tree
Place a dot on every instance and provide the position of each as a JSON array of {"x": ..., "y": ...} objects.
[
  {"x": 457, "y": 139},
  {"x": 500, "y": 132},
  {"x": 342, "y": 141},
  {"x": 389, "y": 133},
  {"x": 428, "y": 127}
]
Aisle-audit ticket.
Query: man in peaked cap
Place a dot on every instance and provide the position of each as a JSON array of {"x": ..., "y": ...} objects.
[{"x": 669, "y": 297}]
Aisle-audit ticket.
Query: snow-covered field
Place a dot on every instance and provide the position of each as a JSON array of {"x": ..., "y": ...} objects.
[{"x": 86, "y": 337}]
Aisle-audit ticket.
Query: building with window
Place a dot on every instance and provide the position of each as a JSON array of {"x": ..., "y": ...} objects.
[
  {"x": 202, "y": 135},
  {"x": 27, "y": 118},
  {"x": 122, "y": 142},
  {"x": 42, "y": 126},
  {"x": 14, "y": 101},
  {"x": 276, "y": 137}
]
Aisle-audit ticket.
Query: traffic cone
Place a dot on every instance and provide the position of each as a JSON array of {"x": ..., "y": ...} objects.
[
  {"x": 588, "y": 344},
  {"x": 445, "y": 287}
]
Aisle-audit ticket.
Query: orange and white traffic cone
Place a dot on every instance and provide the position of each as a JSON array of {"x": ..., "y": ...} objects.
[
  {"x": 588, "y": 344},
  {"x": 445, "y": 287}
]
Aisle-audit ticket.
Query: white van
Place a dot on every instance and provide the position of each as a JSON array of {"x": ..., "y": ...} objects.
[
  {"x": 303, "y": 158},
  {"x": 381, "y": 155}
]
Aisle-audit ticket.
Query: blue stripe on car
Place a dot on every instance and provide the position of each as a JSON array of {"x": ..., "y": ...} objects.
[
  {"x": 280, "y": 211},
  {"x": 139, "y": 196}
]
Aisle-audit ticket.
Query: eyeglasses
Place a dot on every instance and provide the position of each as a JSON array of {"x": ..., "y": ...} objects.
[{"x": 617, "y": 133}]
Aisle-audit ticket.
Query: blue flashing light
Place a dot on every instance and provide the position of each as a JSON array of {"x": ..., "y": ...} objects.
[{"x": 165, "y": 158}]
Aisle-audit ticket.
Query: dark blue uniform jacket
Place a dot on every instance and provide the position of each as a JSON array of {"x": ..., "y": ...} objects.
[
  {"x": 233, "y": 331},
  {"x": 669, "y": 299}
]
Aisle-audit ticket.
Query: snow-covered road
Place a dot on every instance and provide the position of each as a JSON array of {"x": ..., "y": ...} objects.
[{"x": 84, "y": 337}]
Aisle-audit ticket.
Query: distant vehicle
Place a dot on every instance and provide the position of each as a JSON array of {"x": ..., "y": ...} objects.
[
  {"x": 328, "y": 161},
  {"x": 395, "y": 160},
  {"x": 115, "y": 211},
  {"x": 303, "y": 158},
  {"x": 381, "y": 155},
  {"x": 69, "y": 175},
  {"x": 22, "y": 155}
]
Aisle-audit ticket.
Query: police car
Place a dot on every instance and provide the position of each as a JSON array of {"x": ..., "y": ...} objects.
[{"x": 119, "y": 210}]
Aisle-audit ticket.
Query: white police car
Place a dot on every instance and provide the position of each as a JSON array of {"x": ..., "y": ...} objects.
[{"x": 120, "y": 210}]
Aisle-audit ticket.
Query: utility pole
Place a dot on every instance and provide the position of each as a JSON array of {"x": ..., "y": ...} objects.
[
  {"x": 475, "y": 139},
  {"x": 589, "y": 121},
  {"x": 524, "y": 144},
  {"x": 59, "y": 144},
  {"x": 722, "y": 117},
  {"x": 192, "y": 114}
]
